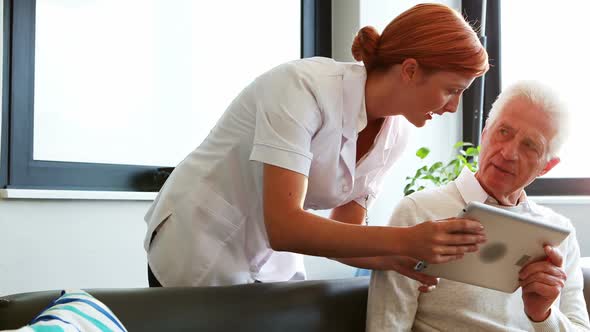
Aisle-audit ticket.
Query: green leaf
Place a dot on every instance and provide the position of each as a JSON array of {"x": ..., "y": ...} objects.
[
  {"x": 456, "y": 170},
  {"x": 435, "y": 166},
  {"x": 471, "y": 152},
  {"x": 418, "y": 173},
  {"x": 408, "y": 186},
  {"x": 461, "y": 144},
  {"x": 410, "y": 192},
  {"x": 451, "y": 163},
  {"x": 420, "y": 188},
  {"x": 422, "y": 152},
  {"x": 462, "y": 159}
]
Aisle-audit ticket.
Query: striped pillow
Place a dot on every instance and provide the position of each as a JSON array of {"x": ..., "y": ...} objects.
[{"x": 75, "y": 310}]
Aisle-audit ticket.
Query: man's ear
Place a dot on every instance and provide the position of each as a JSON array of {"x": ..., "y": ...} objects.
[
  {"x": 550, "y": 164},
  {"x": 409, "y": 69}
]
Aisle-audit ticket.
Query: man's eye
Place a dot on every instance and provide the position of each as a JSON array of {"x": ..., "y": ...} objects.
[
  {"x": 531, "y": 146},
  {"x": 503, "y": 131}
]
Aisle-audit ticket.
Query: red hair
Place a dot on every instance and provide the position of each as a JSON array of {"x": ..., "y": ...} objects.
[{"x": 435, "y": 35}]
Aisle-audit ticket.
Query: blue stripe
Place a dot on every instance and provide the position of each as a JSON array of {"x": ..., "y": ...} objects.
[
  {"x": 95, "y": 306},
  {"x": 44, "y": 318},
  {"x": 47, "y": 328},
  {"x": 47, "y": 308},
  {"x": 98, "y": 324},
  {"x": 76, "y": 294}
]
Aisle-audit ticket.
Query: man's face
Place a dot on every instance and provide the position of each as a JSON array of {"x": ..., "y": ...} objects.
[{"x": 514, "y": 149}]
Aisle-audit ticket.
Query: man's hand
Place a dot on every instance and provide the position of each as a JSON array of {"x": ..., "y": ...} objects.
[{"x": 541, "y": 283}]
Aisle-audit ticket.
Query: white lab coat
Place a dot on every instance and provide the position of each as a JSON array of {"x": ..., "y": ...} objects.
[{"x": 303, "y": 116}]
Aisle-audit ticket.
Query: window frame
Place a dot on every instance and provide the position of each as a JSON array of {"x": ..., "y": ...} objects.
[
  {"x": 492, "y": 88},
  {"x": 18, "y": 169}
]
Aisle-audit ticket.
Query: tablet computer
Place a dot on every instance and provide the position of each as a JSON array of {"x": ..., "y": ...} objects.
[{"x": 513, "y": 241}]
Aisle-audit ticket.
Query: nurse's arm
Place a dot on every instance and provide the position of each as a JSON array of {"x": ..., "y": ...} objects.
[
  {"x": 290, "y": 228},
  {"x": 350, "y": 213}
]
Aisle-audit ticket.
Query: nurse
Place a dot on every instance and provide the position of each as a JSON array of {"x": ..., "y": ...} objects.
[{"x": 316, "y": 134}]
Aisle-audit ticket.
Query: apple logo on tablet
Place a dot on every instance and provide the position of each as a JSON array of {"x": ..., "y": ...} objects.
[{"x": 492, "y": 252}]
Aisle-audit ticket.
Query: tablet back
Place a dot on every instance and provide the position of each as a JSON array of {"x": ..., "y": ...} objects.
[{"x": 512, "y": 242}]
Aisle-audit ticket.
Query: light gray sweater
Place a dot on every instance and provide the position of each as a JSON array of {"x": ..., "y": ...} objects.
[{"x": 396, "y": 305}]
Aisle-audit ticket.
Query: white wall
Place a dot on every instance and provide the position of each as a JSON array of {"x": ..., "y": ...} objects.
[
  {"x": 578, "y": 213},
  {"x": 67, "y": 243},
  {"x": 56, "y": 244}
]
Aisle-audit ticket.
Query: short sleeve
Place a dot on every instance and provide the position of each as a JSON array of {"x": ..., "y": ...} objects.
[
  {"x": 365, "y": 201},
  {"x": 287, "y": 118}
]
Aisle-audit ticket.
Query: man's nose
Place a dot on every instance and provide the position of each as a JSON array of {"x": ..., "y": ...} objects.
[{"x": 510, "y": 150}]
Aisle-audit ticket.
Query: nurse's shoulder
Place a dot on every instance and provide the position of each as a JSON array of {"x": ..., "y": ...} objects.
[{"x": 316, "y": 71}]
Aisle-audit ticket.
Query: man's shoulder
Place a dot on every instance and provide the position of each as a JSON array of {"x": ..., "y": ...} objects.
[
  {"x": 436, "y": 195},
  {"x": 550, "y": 215},
  {"x": 436, "y": 203}
]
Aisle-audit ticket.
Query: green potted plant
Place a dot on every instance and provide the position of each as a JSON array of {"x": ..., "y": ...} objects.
[{"x": 439, "y": 173}]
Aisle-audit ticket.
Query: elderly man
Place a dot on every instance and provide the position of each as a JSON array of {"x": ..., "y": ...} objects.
[{"x": 523, "y": 133}]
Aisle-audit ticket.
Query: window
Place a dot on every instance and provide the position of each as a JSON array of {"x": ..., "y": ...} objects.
[
  {"x": 523, "y": 46},
  {"x": 98, "y": 95}
]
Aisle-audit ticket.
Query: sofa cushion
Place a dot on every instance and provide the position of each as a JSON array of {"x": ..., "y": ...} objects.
[{"x": 75, "y": 310}]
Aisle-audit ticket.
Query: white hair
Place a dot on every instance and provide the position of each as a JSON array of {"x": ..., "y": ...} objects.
[{"x": 546, "y": 99}]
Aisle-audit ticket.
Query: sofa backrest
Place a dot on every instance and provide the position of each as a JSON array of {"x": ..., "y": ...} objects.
[
  {"x": 334, "y": 305},
  {"x": 327, "y": 305}
]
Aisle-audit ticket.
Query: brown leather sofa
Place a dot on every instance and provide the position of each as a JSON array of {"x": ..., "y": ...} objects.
[{"x": 311, "y": 306}]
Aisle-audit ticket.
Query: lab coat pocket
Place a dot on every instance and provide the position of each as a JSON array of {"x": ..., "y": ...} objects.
[{"x": 214, "y": 222}]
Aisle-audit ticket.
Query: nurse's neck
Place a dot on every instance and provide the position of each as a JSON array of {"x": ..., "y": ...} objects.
[{"x": 385, "y": 93}]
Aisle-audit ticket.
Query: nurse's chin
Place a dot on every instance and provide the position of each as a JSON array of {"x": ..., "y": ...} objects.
[
  {"x": 419, "y": 123},
  {"x": 416, "y": 121}
]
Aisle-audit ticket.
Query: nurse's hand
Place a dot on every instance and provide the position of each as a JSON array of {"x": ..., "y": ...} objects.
[
  {"x": 405, "y": 266},
  {"x": 442, "y": 241},
  {"x": 400, "y": 264}
]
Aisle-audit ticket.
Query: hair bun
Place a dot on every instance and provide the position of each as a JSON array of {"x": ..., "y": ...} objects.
[{"x": 365, "y": 45}]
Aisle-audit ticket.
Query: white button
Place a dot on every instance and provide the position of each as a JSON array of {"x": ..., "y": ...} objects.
[{"x": 345, "y": 188}]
